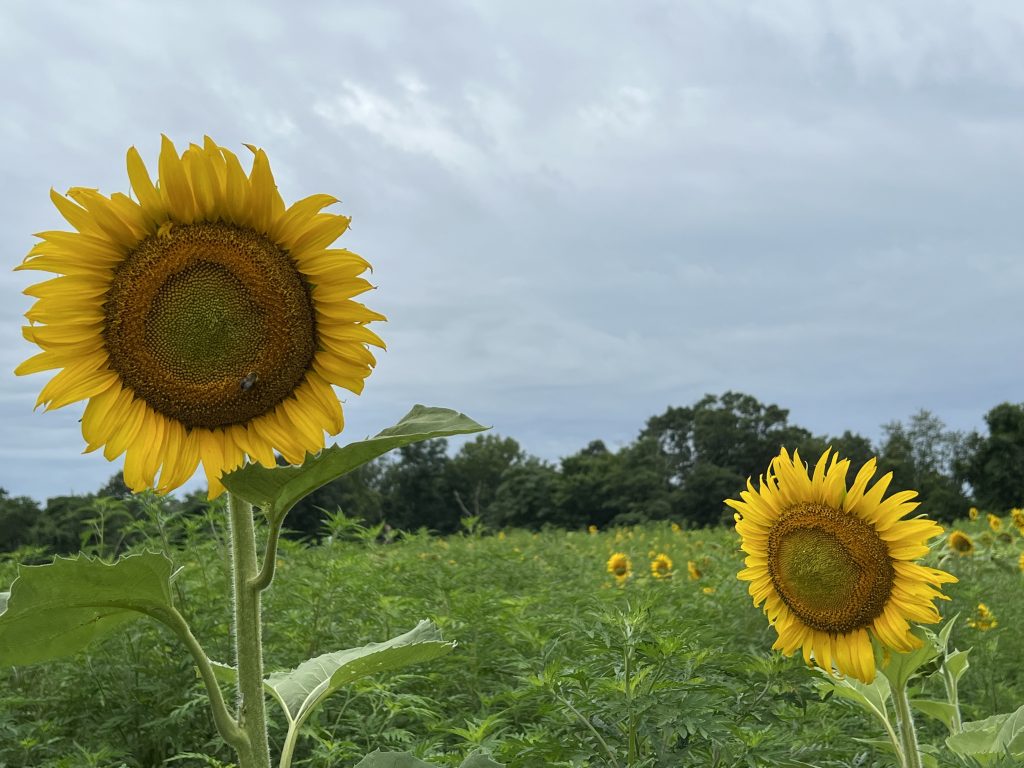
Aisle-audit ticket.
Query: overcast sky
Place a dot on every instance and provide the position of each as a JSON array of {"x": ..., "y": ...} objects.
[{"x": 579, "y": 213}]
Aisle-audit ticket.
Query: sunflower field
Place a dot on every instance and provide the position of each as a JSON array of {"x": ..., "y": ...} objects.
[{"x": 625, "y": 647}]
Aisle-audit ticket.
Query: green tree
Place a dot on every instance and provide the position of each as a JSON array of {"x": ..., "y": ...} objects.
[
  {"x": 477, "y": 470},
  {"x": 18, "y": 516},
  {"x": 709, "y": 449},
  {"x": 993, "y": 464},
  {"x": 923, "y": 456},
  {"x": 526, "y": 496},
  {"x": 415, "y": 489}
]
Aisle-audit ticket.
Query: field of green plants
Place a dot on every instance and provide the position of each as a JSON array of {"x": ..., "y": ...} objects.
[{"x": 558, "y": 662}]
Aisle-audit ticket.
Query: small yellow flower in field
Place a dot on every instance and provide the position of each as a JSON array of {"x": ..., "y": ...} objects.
[
  {"x": 692, "y": 570},
  {"x": 676, "y": 528},
  {"x": 833, "y": 563},
  {"x": 661, "y": 566},
  {"x": 708, "y": 590},
  {"x": 592, "y": 530},
  {"x": 983, "y": 619},
  {"x": 960, "y": 543},
  {"x": 1017, "y": 516},
  {"x": 973, "y": 513},
  {"x": 620, "y": 566},
  {"x": 501, "y": 535},
  {"x": 995, "y": 522}
]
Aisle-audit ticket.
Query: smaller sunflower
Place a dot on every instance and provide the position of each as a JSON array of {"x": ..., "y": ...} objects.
[
  {"x": 592, "y": 530},
  {"x": 960, "y": 543},
  {"x": 676, "y": 528},
  {"x": 995, "y": 522},
  {"x": 983, "y": 619},
  {"x": 973, "y": 513},
  {"x": 620, "y": 566},
  {"x": 661, "y": 566},
  {"x": 692, "y": 570},
  {"x": 833, "y": 565}
]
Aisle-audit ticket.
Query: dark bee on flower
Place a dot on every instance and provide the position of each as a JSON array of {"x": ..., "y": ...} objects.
[{"x": 249, "y": 381}]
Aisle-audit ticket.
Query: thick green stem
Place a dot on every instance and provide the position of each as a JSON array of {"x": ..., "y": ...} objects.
[
  {"x": 252, "y": 716},
  {"x": 908, "y": 734}
]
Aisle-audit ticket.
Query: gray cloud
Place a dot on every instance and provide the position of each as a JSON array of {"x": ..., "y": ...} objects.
[{"x": 578, "y": 214}]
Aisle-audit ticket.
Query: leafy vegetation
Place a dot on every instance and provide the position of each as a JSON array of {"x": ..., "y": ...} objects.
[{"x": 556, "y": 664}]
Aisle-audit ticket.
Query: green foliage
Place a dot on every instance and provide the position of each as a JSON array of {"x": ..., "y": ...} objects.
[{"x": 994, "y": 464}]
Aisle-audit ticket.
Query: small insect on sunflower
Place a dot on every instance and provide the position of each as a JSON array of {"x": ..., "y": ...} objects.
[
  {"x": 983, "y": 619},
  {"x": 832, "y": 564},
  {"x": 203, "y": 321},
  {"x": 661, "y": 566},
  {"x": 620, "y": 566},
  {"x": 960, "y": 543}
]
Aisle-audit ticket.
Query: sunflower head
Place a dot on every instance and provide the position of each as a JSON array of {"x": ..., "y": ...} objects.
[
  {"x": 961, "y": 543},
  {"x": 973, "y": 513},
  {"x": 1017, "y": 517},
  {"x": 661, "y": 566},
  {"x": 692, "y": 570},
  {"x": 202, "y": 320},
  {"x": 995, "y": 522},
  {"x": 833, "y": 565},
  {"x": 620, "y": 566}
]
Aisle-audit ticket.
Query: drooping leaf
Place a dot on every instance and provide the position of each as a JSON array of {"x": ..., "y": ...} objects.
[
  {"x": 300, "y": 690},
  {"x": 278, "y": 489},
  {"x": 940, "y": 710},
  {"x": 58, "y": 609},
  {"x": 872, "y": 698}
]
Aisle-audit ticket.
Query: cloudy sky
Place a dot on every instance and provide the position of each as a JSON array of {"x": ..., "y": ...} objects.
[{"x": 579, "y": 213}]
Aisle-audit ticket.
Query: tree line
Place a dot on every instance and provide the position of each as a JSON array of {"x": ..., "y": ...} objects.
[{"x": 681, "y": 466}]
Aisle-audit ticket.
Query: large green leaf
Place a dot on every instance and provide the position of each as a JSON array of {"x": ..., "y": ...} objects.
[
  {"x": 278, "y": 489},
  {"x": 380, "y": 759},
  {"x": 991, "y": 737},
  {"x": 300, "y": 690},
  {"x": 58, "y": 609},
  {"x": 899, "y": 668}
]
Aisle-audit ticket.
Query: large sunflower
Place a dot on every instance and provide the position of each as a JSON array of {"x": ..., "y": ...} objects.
[
  {"x": 203, "y": 320},
  {"x": 831, "y": 565}
]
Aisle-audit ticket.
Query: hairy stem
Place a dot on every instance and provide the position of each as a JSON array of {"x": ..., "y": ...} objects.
[
  {"x": 908, "y": 735},
  {"x": 252, "y": 715}
]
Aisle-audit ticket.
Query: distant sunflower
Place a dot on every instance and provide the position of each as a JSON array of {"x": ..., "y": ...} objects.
[
  {"x": 1017, "y": 517},
  {"x": 620, "y": 566},
  {"x": 973, "y": 513},
  {"x": 995, "y": 523},
  {"x": 983, "y": 619},
  {"x": 203, "y": 321},
  {"x": 661, "y": 566},
  {"x": 692, "y": 570},
  {"x": 960, "y": 543},
  {"x": 831, "y": 564}
]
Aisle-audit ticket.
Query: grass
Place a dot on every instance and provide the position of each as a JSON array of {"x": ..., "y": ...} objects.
[{"x": 556, "y": 665}]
